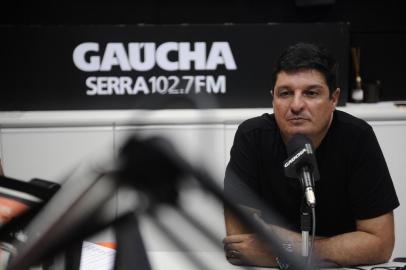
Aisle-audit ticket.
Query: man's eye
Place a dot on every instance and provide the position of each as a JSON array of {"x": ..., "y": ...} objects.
[
  {"x": 311, "y": 93},
  {"x": 284, "y": 93}
]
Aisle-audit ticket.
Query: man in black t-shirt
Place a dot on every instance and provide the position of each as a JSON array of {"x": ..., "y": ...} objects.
[{"x": 355, "y": 194}]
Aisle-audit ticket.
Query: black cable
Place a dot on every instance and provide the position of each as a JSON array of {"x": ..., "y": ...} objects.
[{"x": 313, "y": 234}]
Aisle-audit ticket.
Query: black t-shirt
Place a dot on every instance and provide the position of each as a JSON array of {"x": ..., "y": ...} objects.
[{"x": 354, "y": 179}]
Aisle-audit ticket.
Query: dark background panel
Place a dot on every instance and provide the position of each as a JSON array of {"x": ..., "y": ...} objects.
[
  {"x": 39, "y": 74},
  {"x": 377, "y": 27}
]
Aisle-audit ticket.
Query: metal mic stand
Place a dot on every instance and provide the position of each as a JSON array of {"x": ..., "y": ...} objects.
[
  {"x": 308, "y": 204},
  {"x": 305, "y": 223},
  {"x": 130, "y": 248}
]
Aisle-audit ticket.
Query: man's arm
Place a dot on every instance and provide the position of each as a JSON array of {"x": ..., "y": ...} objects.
[
  {"x": 372, "y": 243},
  {"x": 242, "y": 247}
]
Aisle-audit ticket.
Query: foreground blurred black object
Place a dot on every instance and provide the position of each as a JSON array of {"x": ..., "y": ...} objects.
[
  {"x": 151, "y": 166},
  {"x": 20, "y": 202},
  {"x": 32, "y": 195},
  {"x": 147, "y": 166}
]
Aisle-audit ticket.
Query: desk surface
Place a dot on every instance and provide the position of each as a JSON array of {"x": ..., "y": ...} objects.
[
  {"x": 167, "y": 260},
  {"x": 214, "y": 260}
]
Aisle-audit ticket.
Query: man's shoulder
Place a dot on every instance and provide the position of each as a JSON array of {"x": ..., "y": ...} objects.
[
  {"x": 351, "y": 122},
  {"x": 264, "y": 122}
]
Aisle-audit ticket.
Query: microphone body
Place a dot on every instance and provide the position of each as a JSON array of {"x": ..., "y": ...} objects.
[
  {"x": 306, "y": 180},
  {"x": 302, "y": 165}
]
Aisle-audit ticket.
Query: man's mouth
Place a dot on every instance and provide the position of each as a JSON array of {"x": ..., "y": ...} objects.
[{"x": 297, "y": 120}]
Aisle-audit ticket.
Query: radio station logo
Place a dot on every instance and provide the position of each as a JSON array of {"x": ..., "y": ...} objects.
[{"x": 145, "y": 57}]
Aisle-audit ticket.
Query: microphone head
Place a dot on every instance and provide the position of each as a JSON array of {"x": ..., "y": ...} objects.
[
  {"x": 298, "y": 141},
  {"x": 300, "y": 153}
]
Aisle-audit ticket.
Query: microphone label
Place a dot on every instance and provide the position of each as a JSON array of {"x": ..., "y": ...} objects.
[{"x": 290, "y": 161}]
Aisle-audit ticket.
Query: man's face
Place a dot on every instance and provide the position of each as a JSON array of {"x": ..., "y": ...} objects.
[{"x": 302, "y": 104}]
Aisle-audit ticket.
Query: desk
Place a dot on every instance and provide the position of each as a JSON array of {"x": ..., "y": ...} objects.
[
  {"x": 214, "y": 260},
  {"x": 176, "y": 260}
]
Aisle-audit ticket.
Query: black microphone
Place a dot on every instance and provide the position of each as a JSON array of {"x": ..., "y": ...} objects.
[{"x": 302, "y": 165}]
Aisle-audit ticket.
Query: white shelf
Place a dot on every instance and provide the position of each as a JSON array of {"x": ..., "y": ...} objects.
[{"x": 382, "y": 111}]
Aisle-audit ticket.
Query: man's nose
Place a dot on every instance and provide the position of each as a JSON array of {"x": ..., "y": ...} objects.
[{"x": 297, "y": 103}]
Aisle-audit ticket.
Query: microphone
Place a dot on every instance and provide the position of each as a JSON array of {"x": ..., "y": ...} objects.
[{"x": 302, "y": 165}]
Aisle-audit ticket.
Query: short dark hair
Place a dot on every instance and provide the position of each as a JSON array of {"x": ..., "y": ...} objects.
[{"x": 308, "y": 56}]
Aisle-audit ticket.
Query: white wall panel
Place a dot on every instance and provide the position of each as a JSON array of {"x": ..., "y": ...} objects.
[
  {"x": 49, "y": 153},
  {"x": 202, "y": 145},
  {"x": 392, "y": 139}
]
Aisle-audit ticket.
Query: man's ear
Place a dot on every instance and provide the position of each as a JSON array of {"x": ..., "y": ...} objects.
[
  {"x": 272, "y": 96},
  {"x": 335, "y": 96}
]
